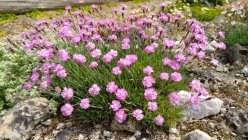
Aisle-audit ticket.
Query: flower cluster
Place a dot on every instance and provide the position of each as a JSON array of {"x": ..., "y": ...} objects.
[{"x": 129, "y": 68}]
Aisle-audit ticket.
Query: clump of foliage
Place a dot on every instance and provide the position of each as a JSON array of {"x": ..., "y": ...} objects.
[
  {"x": 37, "y": 14},
  {"x": 213, "y": 2},
  {"x": 5, "y": 17},
  {"x": 15, "y": 68},
  {"x": 205, "y": 13},
  {"x": 131, "y": 68},
  {"x": 236, "y": 34}
]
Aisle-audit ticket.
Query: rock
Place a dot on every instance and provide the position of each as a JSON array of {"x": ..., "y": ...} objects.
[
  {"x": 197, "y": 135},
  {"x": 236, "y": 53},
  {"x": 244, "y": 71},
  {"x": 137, "y": 134},
  {"x": 47, "y": 122},
  {"x": 60, "y": 126},
  {"x": 132, "y": 138},
  {"x": 106, "y": 133},
  {"x": 68, "y": 124},
  {"x": 127, "y": 126},
  {"x": 238, "y": 119},
  {"x": 205, "y": 109},
  {"x": 173, "y": 131},
  {"x": 65, "y": 134},
  {"x": 80, "y": 137},
  {"x": 211, "y": 125},
  {"x": 19, "y": 122},
  {"x": 211, "y": 47},
  {"x": 95, "y": 135},
  {"x": 223, "y": 110}
]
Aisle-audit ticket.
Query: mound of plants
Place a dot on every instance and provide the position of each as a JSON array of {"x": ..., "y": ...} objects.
[{"x": 125, "y": 67}]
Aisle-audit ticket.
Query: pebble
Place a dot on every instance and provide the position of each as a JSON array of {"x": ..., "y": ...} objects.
[
  {"x": 211, "y": 125},
  {"x": 132, "y": 138},
  {"x": 47, "y": 122},
  {"x": 68, "y": 124},
  {"x": 173, "y": 131},
  {"x": 137, "y": 134},
  {"x": 80, "y": 137},
  {"x": 223, "y": 110},
  {"x": 233, "y": 134},
  {"x": 106, "y": 133},
  {"x": 221, "y": 126},
  {"x": 60, "y": 126}
]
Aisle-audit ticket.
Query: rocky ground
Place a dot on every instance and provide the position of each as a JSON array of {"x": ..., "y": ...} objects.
[{"x": 225, "y": 115}]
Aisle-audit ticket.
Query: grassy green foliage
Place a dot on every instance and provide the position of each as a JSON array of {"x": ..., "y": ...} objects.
[
  {"x": 15, "y": 68},
  {"x": 6, "y": 17},
  {"x": 236, "y": 34},
  {"x": 140, "y": 1},
  {"x": 37, "y": 14},
  {"x": 205, "y": 13}
]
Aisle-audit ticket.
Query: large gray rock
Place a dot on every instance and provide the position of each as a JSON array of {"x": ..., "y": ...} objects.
[
  {"x": 21, "y": 6},
  {"x": 19, "y": 122},
  {"x": 197, "y": 135},
  {"x": 206, "y": 108}
]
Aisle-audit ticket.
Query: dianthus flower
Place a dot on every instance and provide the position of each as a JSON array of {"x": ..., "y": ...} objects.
[
  {"x": 67, "y": 93},
  {"x": 149, "y": 49},
  {"x": 121, "y": 94},
  {"x": 174, "y": 65},
  {"x": 195, "y": 85},
  {"x": 120, "y": 116},
  {"x": 148, "y": 81},
  {"x": 166, "y": 61},
  {"x": 111, "y": 87},
  {"x": 138, "y": 114},
  {"x": 94, "y": 90},
  {"x": 93, "y": 65},
  {"x": 96, "y": 53},
  {"x": 169, "y": 43},
  {"x": 164, "y": 76},
  {"x": 63, "y": 55},
  {"x": 215, "y": 62},
  {"x": 116, "y": 71},
  {"x": 107, "y": 58},
  {"x": 85, "y": 103},
  {"x": 176, "y": 77},
  {"x": 28, "y": 85},
  {"x": 116, "y": 105},
  {"x": 79, "y": 58},
  {"x": 148, "y": 70},
  {"x": 67, "y": 109},
  {"x": 180, "y": 57},
  {"x": 45, "y": 54},
  {"x": 90, "y": 46},
  {"x": 174, "y": 98},
  {"x": 194, "y": 100},
  {"x": 153, "y": 106},
  {"x": 150, "y": 94},
  {"x": 159, "y": 120},
  {"x": 201, "y": 54},
  {"x": 221, "y": 45}
]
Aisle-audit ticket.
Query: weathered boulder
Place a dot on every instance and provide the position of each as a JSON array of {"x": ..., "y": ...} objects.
[
  {"x": 21, "y": 6},
  {"x": 206, "y": 108},
  {"x": 19, "y": 122},
  {"x": 197, "y": 135}
]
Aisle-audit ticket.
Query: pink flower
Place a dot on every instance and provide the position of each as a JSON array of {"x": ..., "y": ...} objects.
[
  {"x": 63, "y": 55},
  {"x": 195, "y": 85},
  {"x": 215, "y": 62},
  {"x": 164, "y": 76},
  {"x": 125, "y": 46},
  {"x": 57, "y": 89},
  {"x": 203, "y": 91},
  {"x": 85, "y": 103},
  {"x": 174, "y": 98},
  {"x": 93, "y": 65},
  {"x": 174, "y": 65},
  {"x": 150, "y": 94},
  {"x": 35, "y": 77},
  {"x": 221, "y": 45},
  {"x": 176, "y": 77},
  {"x": 75, "y": 40},
  {"x": 68, "y": 8},
  {"x": 107, "y": 58},
  {"x": 159, "y": 120},
  {"x": 194, "y": 100},
  {"x": 66, "y": 109},
  {"x": 222, "y": 35},
  {"x": 90, "y": 46},
  {"x": 79, "y": 58},
  {"x": 166, "y": 61},
  {"x": 45, "y": 54},
  {"x": 148, "y": 81},
  {"x": 149, "y": 49},
  {"x": 201, "y": 54},
  {"x": 153, "y": 106},
  {"x": 138, "y": 114},
  {"x": 121, "y": 94},
  {"x": 148, "y": 70},
  {"x": 126, "y": 41},
  {"x": 112, "y": 87},
  {"x": 67, "y": 93},
  {"x": 96, "y": 53},
  {"x": 180, "y": 57},
  {"x": 116, "y": 71},
  {"x": 28, "y": 85},
  {"x": 169, "y": 43},
  {"x": 116, "y": 105},
  {"x": 120, "y": 116},
  {"x": 94, "y": 90},
  {"x": 93, "y": 6}
]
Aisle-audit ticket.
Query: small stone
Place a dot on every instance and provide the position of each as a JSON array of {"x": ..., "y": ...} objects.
[
  {"x": 137, "y": 134},
  {"x": 68, "y": 124},
  {"x": 211, "y": 125},
  {"x": 37, "y": 137},
  {"x": 127, "y": 126},
  {"x": 233, "y": 134},
  {"x": 80, "y": 137},
  {"x": 106, "y": 133},
  {"x": 223, "y": 110},
  {"x": 197, "y": 135},
  {"x": 173, "y": 131},
  {"x": 95, "y": 135},
  {"x": 221, "y": 126},
  {"x": 60, "y": 126},
  {"x": 47, "y": 122},
  {"x": 132, "y": 138},
  {"x": 183, "y": 127},
  {"x": 98, "y": 126}
]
